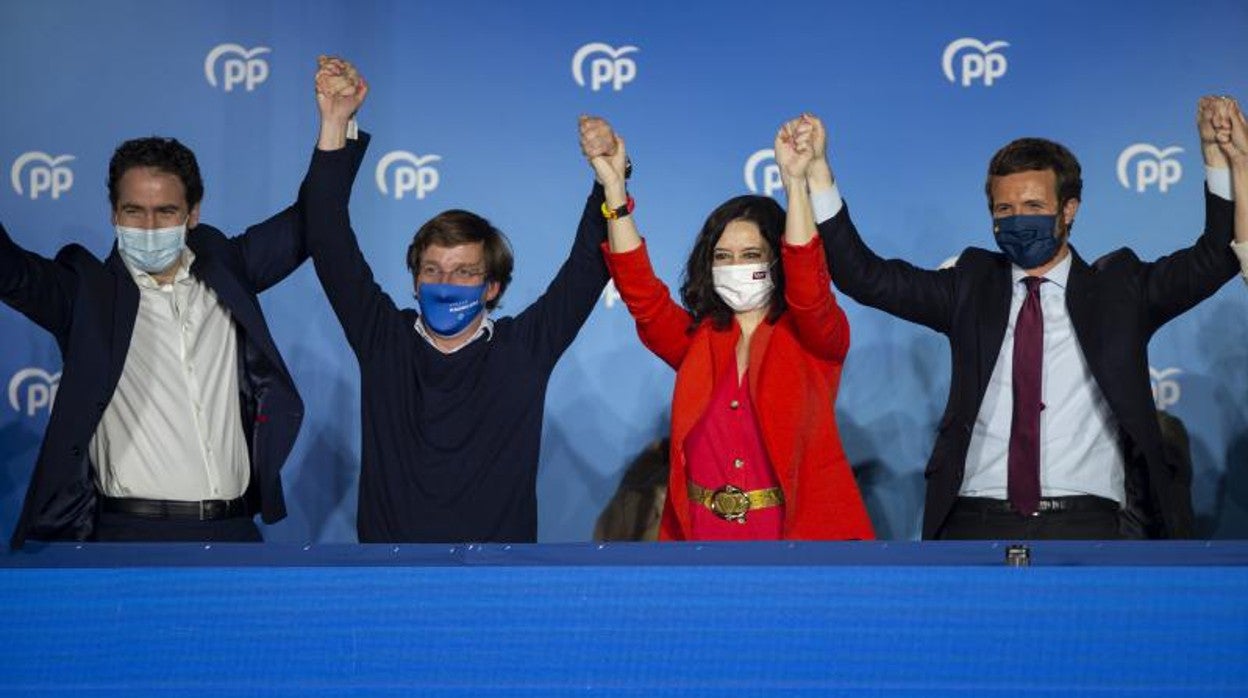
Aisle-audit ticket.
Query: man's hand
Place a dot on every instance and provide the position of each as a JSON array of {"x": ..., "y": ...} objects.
[
  {"x": 1233, "y": 139},
  {"x": 819, "y": 174},
  {"x": 794, "y": 149},
  {"x": 340, "y": 90},
  {"x": 1214, "y": 123},
  {"x": 606, "y": 154}
]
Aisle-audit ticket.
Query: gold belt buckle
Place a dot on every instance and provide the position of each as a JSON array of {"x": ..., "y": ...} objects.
[{"x": 730, "y": 503}]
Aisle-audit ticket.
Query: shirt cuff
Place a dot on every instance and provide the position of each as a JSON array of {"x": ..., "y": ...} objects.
[
  {"x": 1219, "y": 181},
  {"x": 827, "y": 203},
  {"x": 1241, "y": 251}
]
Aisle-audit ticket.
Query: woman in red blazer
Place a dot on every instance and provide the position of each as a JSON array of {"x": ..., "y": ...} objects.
[{"x": 757, "y": 348}]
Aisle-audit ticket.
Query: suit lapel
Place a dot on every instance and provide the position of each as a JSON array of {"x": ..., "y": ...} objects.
[
  {"x": 759, "y": 342},
  {"x": 993, "y": 318},
  {"x": 786, "y": 469},
  {"x": 209, "y": 269},
  {"x": 1081, "y": 305},
  {"x": 125, "y": 312}
]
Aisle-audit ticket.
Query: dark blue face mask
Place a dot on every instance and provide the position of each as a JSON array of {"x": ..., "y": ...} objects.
[
  {"x": 448, "y": 309},
  {"x": 1029, "y": 241}
]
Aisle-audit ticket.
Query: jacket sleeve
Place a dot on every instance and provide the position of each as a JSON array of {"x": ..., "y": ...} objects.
[
  {"x": 274, "y": 248},
  {"x": 39, "y": 288},
  {"x": 662, "y": 325},
  {"x": 821, "y": 324},
  {"x": 894, "y": 286},
  {"x": 363, "y": 309},
  {"x": 1180, "y": 280},
  {"x": 552, "y": 321}
]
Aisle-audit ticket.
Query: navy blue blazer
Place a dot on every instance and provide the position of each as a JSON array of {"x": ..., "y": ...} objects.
[
  {"x": 1115, "y": 305},
  {"x": 90, "y": 307}
]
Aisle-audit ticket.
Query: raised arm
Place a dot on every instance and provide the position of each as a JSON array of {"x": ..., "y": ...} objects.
[
  {"x": 1180, "y": 280},
  {"x": 551, "y": 323},
  {"x": 39, "y": 288},
  {"x": 273, "y": 249},
  {"x": 1233, "y": 144},
  {"x": 661, "y": 323},
  {"x": 821, "y": 324},
  {"x": 894, "y": 286},
  {"x": 363, "y": 309}
]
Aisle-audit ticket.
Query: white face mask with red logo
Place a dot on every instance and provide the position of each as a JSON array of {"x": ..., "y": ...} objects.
[{"x": 744, "y": 287}]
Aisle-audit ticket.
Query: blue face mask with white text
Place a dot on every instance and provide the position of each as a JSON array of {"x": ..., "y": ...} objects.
[
  {"x": 448, "y": 309},
  {"x": 1029, "y": 241}
]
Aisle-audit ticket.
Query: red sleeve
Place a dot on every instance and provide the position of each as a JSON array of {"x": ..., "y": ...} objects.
[
  {"x": 821, "y": 324},
  {"x": 661, "y": 323}
]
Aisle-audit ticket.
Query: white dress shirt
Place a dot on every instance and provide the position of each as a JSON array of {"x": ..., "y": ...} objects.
[
  {"x": 1079, "y": 453},
  {"x": 173, "y": 428}
]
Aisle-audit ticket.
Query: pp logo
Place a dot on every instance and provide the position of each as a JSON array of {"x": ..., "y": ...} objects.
[
  {"x": 1157, "y": 167},
  {"x": 412, "y": 174},
  {"x": 612, "y": 66},
  {"x": 48, "y": 175},
  {"x": 1166, "y": 391},
  {"x": 764, "y": 160},
  {"x": 610, "y": 295},
  {"x": 33, "y": 389},
  {"x": 982, "y": 62},
  {"x": 240, "y": 67}
]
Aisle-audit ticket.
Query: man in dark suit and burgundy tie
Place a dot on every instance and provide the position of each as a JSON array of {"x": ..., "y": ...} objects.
[{"x": 1050, "y": 429}]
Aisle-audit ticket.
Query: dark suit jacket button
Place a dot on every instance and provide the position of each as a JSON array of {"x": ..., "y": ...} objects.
[
  {"x": 101, "y": 405},
  {"x": 75, "y": 452}
]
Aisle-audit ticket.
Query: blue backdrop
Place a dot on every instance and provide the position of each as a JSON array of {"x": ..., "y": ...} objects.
[{"x": 474, "y": 105}]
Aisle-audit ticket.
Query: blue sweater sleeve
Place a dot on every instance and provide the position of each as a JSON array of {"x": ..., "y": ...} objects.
[
  {"x": 364, "y": 310},
  {"x": 549, "y": 325}
]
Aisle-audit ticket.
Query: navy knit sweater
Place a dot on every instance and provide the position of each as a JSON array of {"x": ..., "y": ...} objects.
[{"x": 450, "y": 441}]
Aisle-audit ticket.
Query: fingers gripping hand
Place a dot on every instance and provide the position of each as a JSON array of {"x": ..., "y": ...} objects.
[
  {"x": 340, "y": 89},
  {"x": 818, "y": 137},
  {"x": 1233, "y": 140},
  {"x": 604, "y": 149},
  {"x": 794, "y": 147}
]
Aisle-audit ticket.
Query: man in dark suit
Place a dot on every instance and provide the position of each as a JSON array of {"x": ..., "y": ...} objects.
[
  {"x": 1050, "y": 429},
  {"x": 175, "y": 411}
]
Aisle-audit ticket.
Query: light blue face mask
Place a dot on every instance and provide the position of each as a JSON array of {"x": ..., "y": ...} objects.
[{"x": 151, "y": 250}]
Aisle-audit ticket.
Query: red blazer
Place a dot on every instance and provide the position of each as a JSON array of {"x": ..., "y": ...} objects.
[{"x": 795, "y": 369}]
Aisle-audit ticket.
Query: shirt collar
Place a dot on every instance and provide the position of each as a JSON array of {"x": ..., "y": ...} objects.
[
  {"x": 1057, "y": 275},
  {"x": 485, "y": 328}
]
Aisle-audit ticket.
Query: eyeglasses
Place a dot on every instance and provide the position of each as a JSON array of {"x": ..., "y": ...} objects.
[{"x": 459, "y": 275}]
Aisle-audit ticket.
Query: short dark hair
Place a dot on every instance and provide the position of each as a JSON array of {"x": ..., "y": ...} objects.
[
  {"x": 458, "y": 227},
  {"x": 697, "y": 290},
  {"x": 164, "y": 154},
  {"x": 1027, "y": 154}
]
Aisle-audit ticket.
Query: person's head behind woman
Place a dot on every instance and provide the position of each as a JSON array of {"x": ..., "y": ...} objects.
[{"x": 743, "y": 230}]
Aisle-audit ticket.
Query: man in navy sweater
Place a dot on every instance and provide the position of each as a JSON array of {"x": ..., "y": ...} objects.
[{"x": 452, "y": 400}]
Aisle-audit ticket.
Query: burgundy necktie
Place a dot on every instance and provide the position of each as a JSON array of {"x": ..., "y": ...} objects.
[{"x": 1024, "y": 460}]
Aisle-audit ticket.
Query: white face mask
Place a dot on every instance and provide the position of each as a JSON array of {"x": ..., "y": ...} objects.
[
  {"x": 744, "y": 287},
  {"x": 151, "y": 250}
]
